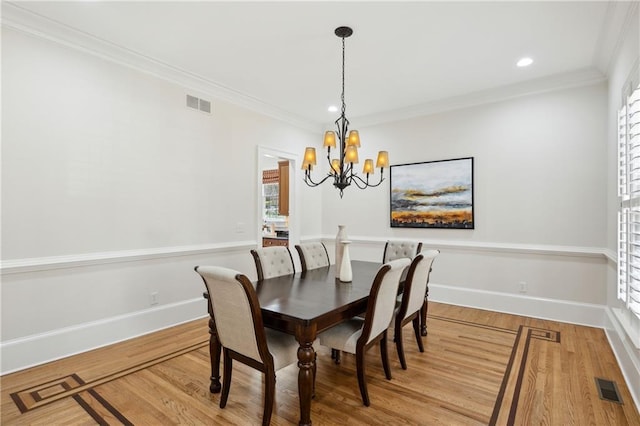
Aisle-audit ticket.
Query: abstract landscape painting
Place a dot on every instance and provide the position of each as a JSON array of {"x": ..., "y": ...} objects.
[{"x": 435, "y": 194}]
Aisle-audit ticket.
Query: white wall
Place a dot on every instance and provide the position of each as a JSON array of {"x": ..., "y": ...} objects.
[
  {"x": 111, "y": 190},
  {"x": 97, "y": 147},
  {"x": 539, "y": 182}
]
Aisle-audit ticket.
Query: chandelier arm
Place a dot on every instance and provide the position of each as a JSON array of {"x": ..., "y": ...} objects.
[
  {"x": 329, "y": 159},
  {"x": 355, "y": 179},
  {"x": 366, "y": 183},
  {"x": 311, "y": 183}
]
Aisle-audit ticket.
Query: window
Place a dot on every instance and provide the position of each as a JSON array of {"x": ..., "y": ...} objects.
[{"x": 629, "y": 195}]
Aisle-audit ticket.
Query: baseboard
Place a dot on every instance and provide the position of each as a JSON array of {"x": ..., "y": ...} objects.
[
  {"x": 25, "y": 352},
  {"x": 628, "y": 357},
  {"x": 537, "y": 307}
]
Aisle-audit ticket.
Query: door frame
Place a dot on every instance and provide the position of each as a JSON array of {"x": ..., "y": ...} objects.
[{"x": 294, "y": 197}]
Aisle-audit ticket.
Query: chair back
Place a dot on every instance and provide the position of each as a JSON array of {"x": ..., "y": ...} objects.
[
  {"x": 382, "y": 298},
  {"x": 236, "y": 311},
  {"x": 273, "y": 262},
  {"x": 415, "y": 286},
  {"x": 398, "y": 249},
  {"x": 313, "y": 255}
]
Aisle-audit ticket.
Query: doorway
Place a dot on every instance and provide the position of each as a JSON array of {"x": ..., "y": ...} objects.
[{"x": 276, "y": 198}]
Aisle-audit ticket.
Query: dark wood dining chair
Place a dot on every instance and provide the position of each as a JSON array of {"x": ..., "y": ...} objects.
[
  {"x": 398, "y": 249},
  {"x": 312, "y": 255},
  {"x": 242, "y": 335},
  {"x": 413, "y": 298},
  {"x": 356, "y": 335},
  {"x": 273, "y": 262}
]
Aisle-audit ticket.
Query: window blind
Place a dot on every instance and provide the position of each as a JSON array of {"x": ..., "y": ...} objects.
[
  {"x": 270, "y": 176},
  {"x": 629, "y": 193}
]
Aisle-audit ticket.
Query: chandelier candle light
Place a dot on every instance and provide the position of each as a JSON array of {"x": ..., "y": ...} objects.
[{"x": 341, "y": 169}]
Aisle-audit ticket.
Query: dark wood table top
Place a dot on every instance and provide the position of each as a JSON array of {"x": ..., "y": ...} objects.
[{"x": 315, "y": 298}]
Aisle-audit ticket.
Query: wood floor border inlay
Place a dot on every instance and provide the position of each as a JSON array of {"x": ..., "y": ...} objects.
[
  {"x": 474, "y": 324},
  {"x": 100, "y": 409},
  {"x": 72, "y": 385},
  {"x": 504, "y": 411}
]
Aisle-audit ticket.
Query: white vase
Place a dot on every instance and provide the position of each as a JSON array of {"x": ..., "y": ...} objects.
[
  {"x": 341, "y": 236},
  {"x": 346, "y": 274}
]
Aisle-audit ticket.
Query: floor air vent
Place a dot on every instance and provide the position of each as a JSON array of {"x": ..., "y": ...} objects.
[{"x": 608, "y": 390}]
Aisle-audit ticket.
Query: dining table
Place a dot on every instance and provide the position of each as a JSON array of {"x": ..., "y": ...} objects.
[{"x": 302, "y": 305}]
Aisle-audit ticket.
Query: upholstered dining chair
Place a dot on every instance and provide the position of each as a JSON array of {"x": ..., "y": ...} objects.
[
  {"x": 356, "y": 335},
  {"x": 413, "y": 298},
  {"x": 273, "y": 262},
  {"x": 242, "y": 335},
  {"x": 312, "y": 255},
  {"x": 398, "y": 249}
]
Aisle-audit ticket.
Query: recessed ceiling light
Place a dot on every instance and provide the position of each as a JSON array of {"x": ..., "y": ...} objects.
[
  {"x": 524, "y": 62},
  {"x": 333, "y": 108}
]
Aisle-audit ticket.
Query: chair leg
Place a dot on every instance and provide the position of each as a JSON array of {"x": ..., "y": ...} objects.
[
  {"x": 362, "y": 382},
  {"x": 226, "y": 379},
  {"x": 416, "y": 330},
  {"x": 423, "y": 312},
  {"x": 269, "y": 395},
  {"x": 400, "y": 345},
  {"x": 384, "y": 354},
  {"x": 315, "y": 369},
  {"x": 335, "y": 355}
]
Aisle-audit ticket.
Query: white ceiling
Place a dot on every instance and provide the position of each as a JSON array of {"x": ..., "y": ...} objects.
[{"x": 285, "y": 56}]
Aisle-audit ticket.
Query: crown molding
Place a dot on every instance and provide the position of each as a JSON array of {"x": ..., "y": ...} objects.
[
  {"x": 20, "y": 19},
  {"x": 25, "y": 21},
  {"x": 619, "y": 17},
  {"x": 583, "y": 77}
]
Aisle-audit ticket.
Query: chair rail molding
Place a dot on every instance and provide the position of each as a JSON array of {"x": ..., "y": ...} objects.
[
  {"x": 14, "y": 266},
  {"x": 557, "y": 250}
]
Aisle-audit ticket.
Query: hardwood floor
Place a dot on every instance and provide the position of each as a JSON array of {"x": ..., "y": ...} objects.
[{"x": 478, "y": 368}]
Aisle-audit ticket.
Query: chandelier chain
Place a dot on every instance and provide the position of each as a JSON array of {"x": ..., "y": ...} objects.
[{"x": 343, "y": 105}]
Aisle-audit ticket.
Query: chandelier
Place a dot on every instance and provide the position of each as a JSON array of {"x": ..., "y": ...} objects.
[{"x": 342, "y": 168}]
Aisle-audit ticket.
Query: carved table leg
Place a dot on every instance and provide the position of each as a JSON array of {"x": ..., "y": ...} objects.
[{"x": 306, "y": 379}]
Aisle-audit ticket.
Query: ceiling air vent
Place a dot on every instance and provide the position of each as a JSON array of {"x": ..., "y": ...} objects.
[{"x": 200, "y": 104}]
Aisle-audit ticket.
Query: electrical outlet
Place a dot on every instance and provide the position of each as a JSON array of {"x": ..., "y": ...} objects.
[
  {"x": 153, "y": 298},
  {"x": 240, "y": 228},
  {"x": 522, "y": 287}
]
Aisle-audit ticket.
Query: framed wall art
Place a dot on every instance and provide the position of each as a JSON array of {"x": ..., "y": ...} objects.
[{"x": 432, "y": 194}]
